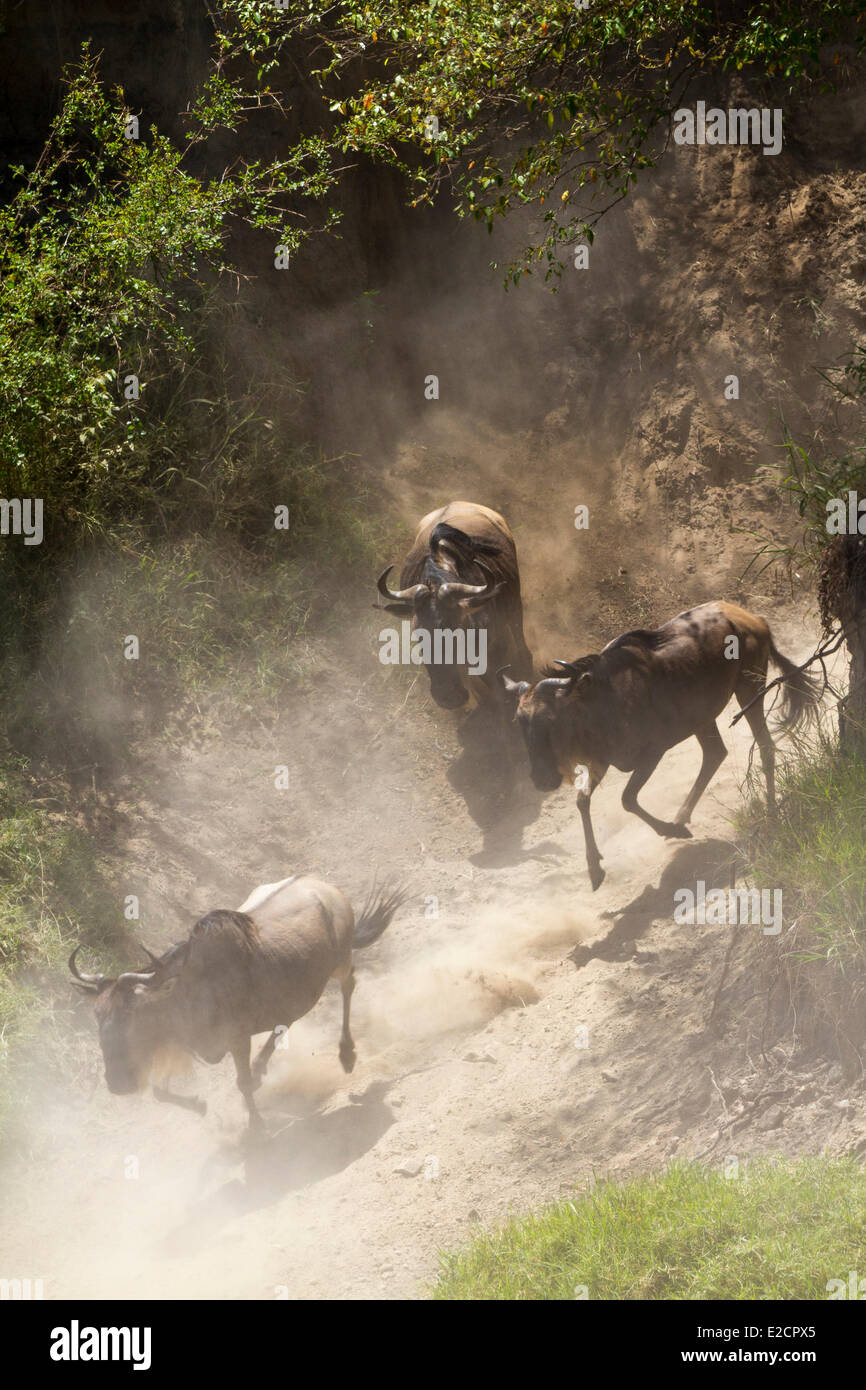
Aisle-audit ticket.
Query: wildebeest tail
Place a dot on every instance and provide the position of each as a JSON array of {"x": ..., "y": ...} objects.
[
  {"x": 801, "y": 693},
  {"x": 376, "y": 914}
]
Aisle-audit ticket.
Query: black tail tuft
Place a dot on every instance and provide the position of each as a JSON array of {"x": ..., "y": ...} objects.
[
  {"x": 802, "y": 693},
  {"x": 376, "y": 914}
]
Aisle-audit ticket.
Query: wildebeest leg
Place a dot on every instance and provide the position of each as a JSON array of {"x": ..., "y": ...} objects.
[
  {"x": 241, "y": 1054},
  {"x": 260, "y": 1065},
  {"x": 714, "y": 752},
  {"x": 745, "y": 690},
  {"x": 586, "y": 785},
  {"x": 642, "y": 774},
  {"x": 185, "y": 1102},
  {"x": 346, "y": 976}
]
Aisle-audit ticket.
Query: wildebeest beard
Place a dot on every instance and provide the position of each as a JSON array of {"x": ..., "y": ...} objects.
[{"x": 543, "y": 767}]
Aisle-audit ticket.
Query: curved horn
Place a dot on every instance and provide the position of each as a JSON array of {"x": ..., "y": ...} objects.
[
  {"x": 155, "y": 961},
  {"x": 512, "y": 687},
  {"x": 137, "y": 977},
  {"x": 407, "y": 596},
  {"x": 457, "y": 589},
  {"x": 568, "y": 666},
  {"x": 552, "y": 683},
  {"x": 92, "y": 983}
]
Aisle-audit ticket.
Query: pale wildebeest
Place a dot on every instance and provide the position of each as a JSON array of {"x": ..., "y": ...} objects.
[
  {"x": 461, "y": 579},
  {"x": 255, "y": 970},
  {"x": 644, "y": 693}
]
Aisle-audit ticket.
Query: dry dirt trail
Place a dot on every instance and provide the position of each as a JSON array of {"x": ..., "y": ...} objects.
[{"x": 470, "y": 1097}]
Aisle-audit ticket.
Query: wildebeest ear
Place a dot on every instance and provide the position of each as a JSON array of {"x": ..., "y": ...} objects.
[
  {"x": 577, "y": 672},
  {"x": 516, "y": 688}
]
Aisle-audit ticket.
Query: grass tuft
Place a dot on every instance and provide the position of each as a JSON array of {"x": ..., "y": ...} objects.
[{"x": 779, "y": 1230}]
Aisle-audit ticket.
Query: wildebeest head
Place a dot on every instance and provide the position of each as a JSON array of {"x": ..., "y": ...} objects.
[
  {"x": 548, "y": 713},
  {"x": 442, "y": 603},
  {"x": 130, "y": 1017}
]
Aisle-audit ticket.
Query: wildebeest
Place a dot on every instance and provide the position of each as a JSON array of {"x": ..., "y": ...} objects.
[
  {"x": 462, "y": 574},
  {"x": 255, "y": 970},
  {"x": 644, "y": 693}
]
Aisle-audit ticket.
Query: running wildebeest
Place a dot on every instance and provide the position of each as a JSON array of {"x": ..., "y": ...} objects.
[
  {"x": 461, "y": 575},
  {"x": 644, "y": 693},
  {"x": 255, "y": 970}
]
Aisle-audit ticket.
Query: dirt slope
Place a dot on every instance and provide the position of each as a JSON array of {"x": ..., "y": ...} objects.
[{"x": 471, "y": 1097}]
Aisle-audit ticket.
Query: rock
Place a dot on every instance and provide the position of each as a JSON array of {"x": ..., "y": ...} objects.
[
  {"x": 608, "y": 1075},
  {"x": 410, "y": 1167}
]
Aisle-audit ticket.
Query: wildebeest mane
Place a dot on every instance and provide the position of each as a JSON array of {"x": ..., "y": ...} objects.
[
  {"x": 614, "y": 657},
  {"x": 442, "y": 531},
  {"x": 649, "y": 638},
  {"x": 579, "y": 666},
  {"x": 217, "y": 972},
  {"x": 425, "y": 566},
  {"x": 225, "y": 925}
]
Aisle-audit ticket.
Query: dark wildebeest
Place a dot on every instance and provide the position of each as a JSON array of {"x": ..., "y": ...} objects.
[
  {"x": 461, "y": 574},
  {"x": 255, "y": 970},
  {"x": 646, "y": 692}
]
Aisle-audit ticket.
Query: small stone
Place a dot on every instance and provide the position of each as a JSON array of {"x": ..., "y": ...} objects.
[{"x": 410, "y": 1167}]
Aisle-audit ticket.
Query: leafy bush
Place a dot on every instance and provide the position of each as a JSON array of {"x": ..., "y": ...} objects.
[{"x": 552, "y": 103}]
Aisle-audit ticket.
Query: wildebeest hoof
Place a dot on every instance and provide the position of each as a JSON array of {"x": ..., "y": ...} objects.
[
  {"x": 677, "y": 832},
  {"x": 347, "y": 1057},
  {"x": 596, "y": 878}
]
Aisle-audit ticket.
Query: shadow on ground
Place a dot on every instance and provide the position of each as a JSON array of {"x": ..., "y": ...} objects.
[
  {"x": 304, "y": 1152},
  {"x": 713, "y": 861}
]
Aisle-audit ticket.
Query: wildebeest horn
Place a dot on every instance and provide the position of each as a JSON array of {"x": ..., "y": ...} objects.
[
  {"x": 137, "y": 977},
  {"x": 512, "y": 687},
  {"x": 91, "y": 983},
  {"x": 554, "y": 683},
  {"x": 457, "y": 589},
  {"x": 398, "y": 595},
  {"x": 154, "y": 960}
]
